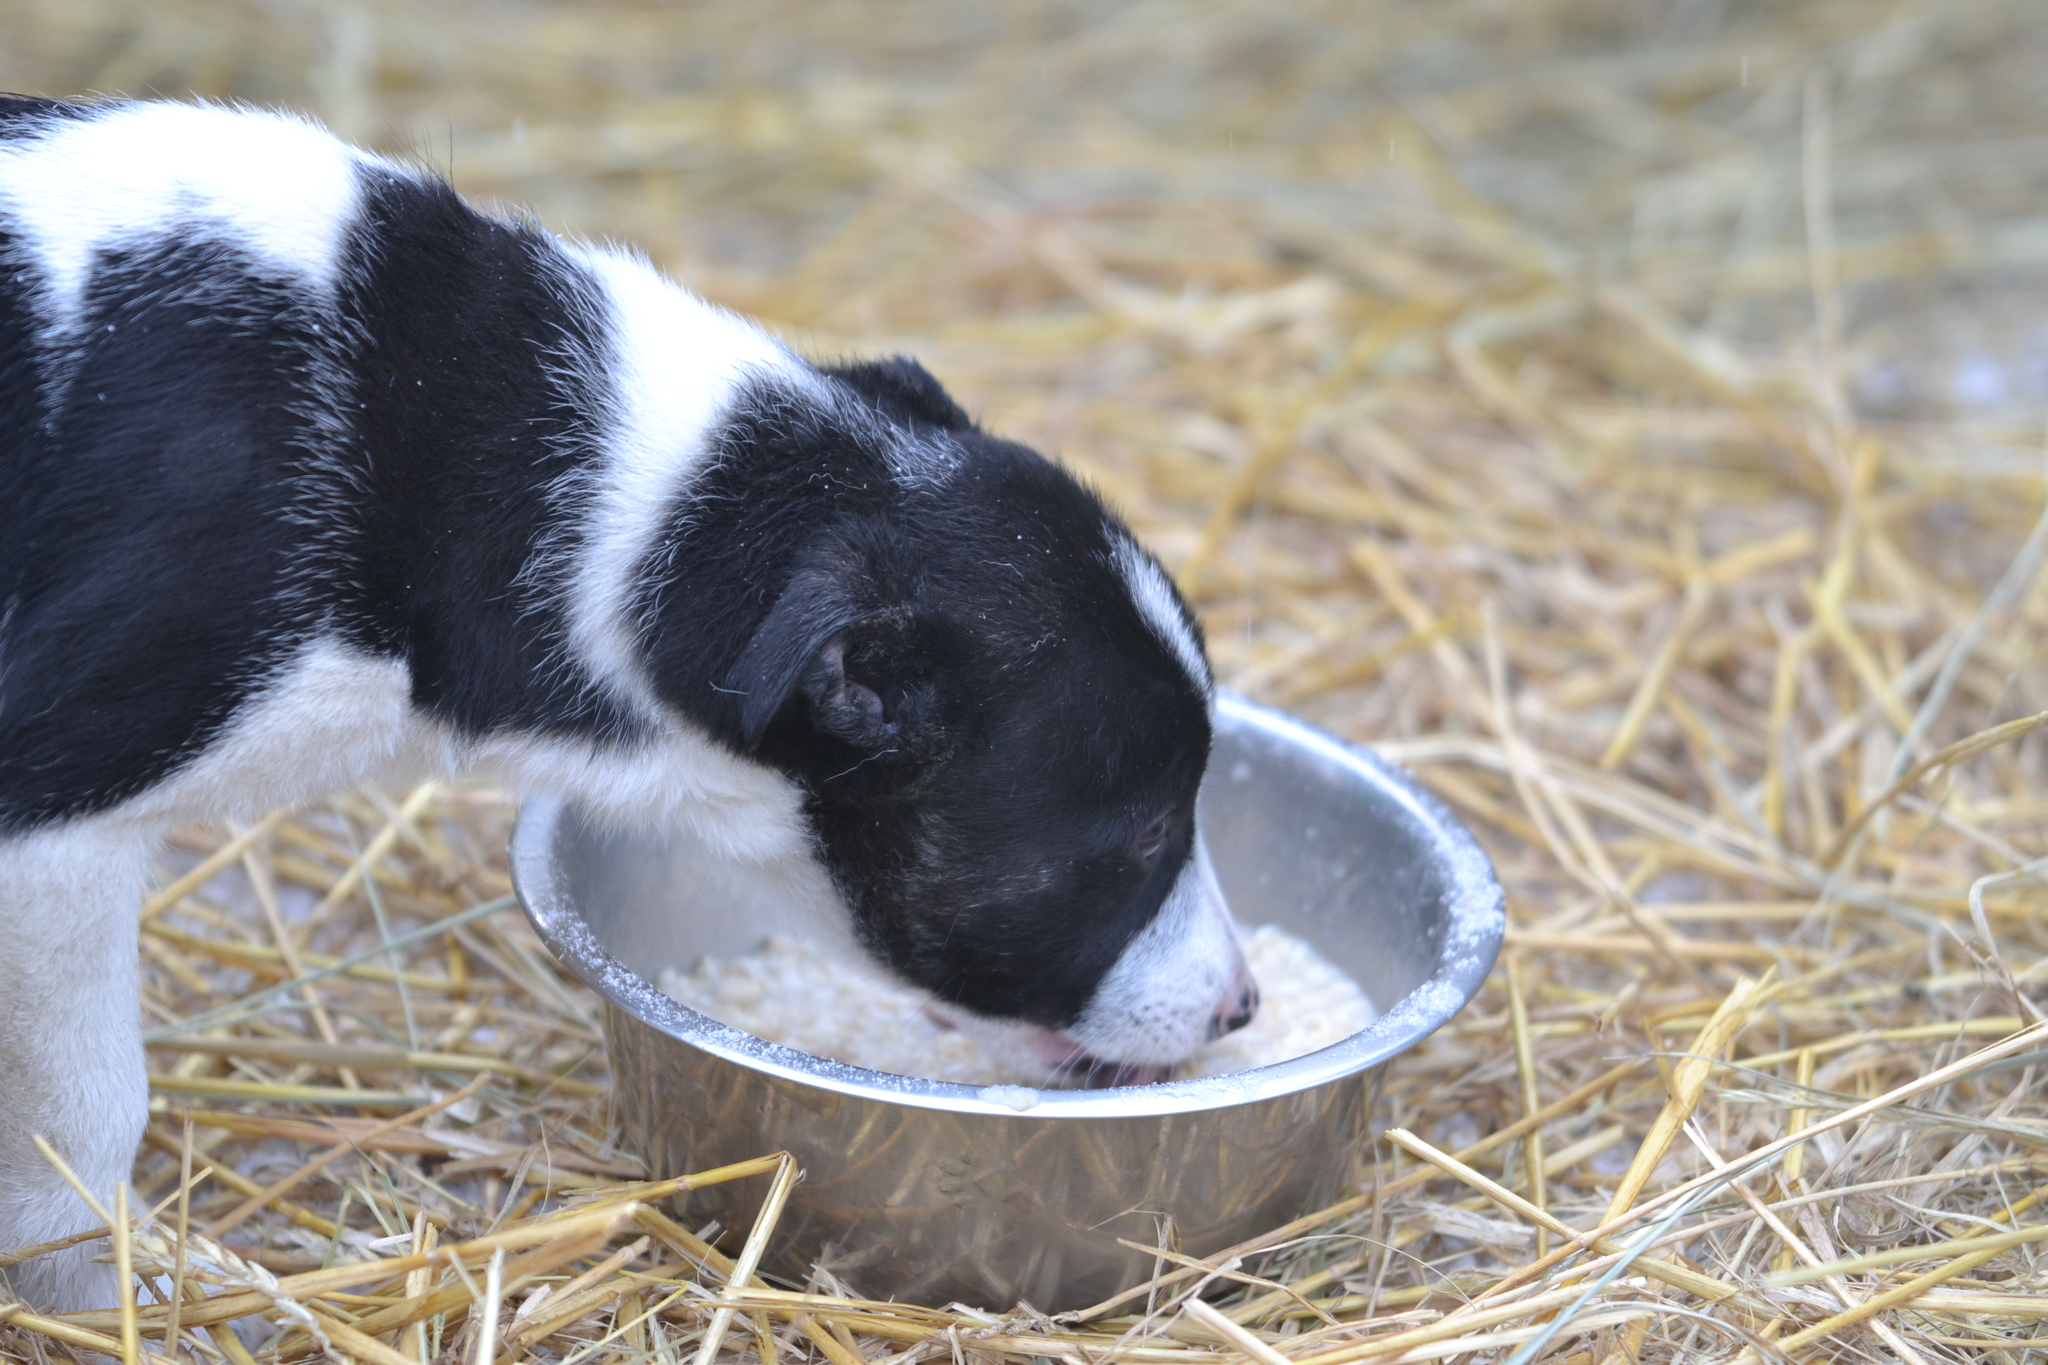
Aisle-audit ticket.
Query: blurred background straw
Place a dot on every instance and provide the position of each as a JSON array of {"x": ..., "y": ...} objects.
[{"x": 1629, "y": 415}]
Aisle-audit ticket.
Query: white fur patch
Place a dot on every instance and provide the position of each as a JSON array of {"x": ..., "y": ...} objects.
[
  {"x": 271, "y": 184},
  {"x": 919, "y": 461},
  {"x": 71, "y": 1067},
  {"x": 1161, "y": 609},
  {"x": 331, "y": 717},
  {"x": 741, "y": 811},
  {"x": 1158, "y": 1002},
  {"x": 334, "y": 717},
  {"x": 676, "y": 364}
]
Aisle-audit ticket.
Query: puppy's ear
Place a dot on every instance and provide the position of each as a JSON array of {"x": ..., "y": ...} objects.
[
  {"x": 800, "y": 641},
  {"x": 847, "y": 666},
  {"x": 904, "y": 388},
  {"x": 845, "y": 634},
  {"x": 857, "y": 704}
]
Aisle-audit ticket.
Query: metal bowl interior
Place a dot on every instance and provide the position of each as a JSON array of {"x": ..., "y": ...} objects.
[{"x": 928, "y": 1189}]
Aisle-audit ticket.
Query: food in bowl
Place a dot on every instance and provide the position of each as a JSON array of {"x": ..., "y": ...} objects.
[{"x": 797, "y": 992}]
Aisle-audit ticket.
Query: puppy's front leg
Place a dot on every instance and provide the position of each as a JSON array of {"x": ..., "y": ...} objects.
[{"x": 71, "y": 1064}]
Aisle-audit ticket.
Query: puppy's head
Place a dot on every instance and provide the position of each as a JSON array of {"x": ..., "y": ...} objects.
[{"x": 997, "y": 707}]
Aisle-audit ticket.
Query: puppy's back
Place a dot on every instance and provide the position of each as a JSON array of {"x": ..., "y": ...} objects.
[{"x": 258, "y": 392}]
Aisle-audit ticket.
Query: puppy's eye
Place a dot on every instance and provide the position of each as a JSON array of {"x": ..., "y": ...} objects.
[{"x": 1153, "y": 840}]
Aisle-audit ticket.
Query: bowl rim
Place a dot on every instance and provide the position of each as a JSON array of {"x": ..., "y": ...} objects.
[{"x": 1476, "y": 922}]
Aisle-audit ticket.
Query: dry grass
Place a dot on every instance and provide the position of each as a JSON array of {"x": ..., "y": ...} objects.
[{"x": 1630, "y": 417}]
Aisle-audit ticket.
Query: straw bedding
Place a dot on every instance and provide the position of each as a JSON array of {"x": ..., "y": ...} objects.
[{"x": 1630, "y": 417}]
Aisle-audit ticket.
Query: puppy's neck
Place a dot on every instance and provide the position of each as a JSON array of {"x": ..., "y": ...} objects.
[{"x": 675, "y": 368}]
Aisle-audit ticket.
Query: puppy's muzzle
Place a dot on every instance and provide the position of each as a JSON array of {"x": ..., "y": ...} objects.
[{"x": 1240, "y": 1003}]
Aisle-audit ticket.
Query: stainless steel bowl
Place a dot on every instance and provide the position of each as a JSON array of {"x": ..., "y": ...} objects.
[{"x": 934, "y": 1192}]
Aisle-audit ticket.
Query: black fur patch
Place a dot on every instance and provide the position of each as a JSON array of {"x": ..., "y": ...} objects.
[
  {"x": 1031, "y": 725},
  {"x": 903, "y": 390},
  {"x": 144, "y": 529},
  {"x": 469, "y": 338},
  {"x": 213, "y": 464},
  {"x": 21, "y": 113}
]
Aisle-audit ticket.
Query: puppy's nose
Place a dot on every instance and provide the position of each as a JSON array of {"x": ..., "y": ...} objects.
[{"x": 1240, "y": 1003}]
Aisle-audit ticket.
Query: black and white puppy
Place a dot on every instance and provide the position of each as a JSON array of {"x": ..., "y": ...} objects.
[{"x": 312, "y": 475}]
